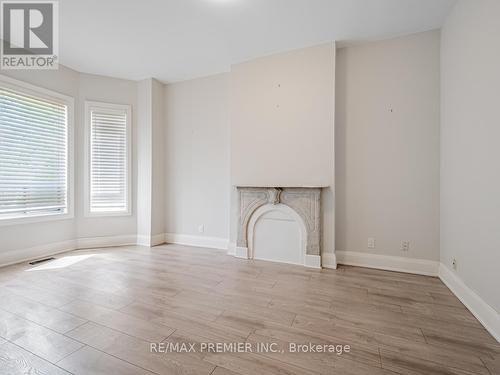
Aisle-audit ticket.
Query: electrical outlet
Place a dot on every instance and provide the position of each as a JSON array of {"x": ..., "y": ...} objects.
[
  {"x": 201, "y": 228},
  {"x": 371, "y": 243},
  {"x": 454, "y": 264},
  {"x": 405, "y": 245}
]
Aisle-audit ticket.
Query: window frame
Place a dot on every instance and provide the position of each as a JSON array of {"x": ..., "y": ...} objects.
[
  {"x": 89, "y": 106},
  {"x": 43, "y": 93}
]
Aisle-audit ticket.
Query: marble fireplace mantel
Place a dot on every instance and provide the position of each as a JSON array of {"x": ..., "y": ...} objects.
[{"x": 304, "y": 201}]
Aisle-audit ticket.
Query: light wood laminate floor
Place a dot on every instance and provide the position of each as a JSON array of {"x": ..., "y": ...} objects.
[{"x": 98, "y": 311}]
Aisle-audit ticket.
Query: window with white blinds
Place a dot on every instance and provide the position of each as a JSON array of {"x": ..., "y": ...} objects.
[
  {"x": 33, "y": 154},
  {"x": 109, "y": 158}
]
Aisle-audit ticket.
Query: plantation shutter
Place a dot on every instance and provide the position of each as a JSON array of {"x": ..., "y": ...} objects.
[
  {"x": 33, "y": 155},
  {"x": 108, "y": 160}
]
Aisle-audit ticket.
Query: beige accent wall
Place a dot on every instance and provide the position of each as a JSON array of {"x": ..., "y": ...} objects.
[
  {"x": 282, "y": 118},
  {"x": 387, "y": 146},
  {"x": 470, "y": 152}
]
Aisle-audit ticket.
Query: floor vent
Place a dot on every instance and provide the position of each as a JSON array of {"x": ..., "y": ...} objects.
[{"x": 41, "y": 261}]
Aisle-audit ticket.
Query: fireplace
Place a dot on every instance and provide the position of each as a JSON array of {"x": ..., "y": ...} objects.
[{"x": 300, "y": 205}]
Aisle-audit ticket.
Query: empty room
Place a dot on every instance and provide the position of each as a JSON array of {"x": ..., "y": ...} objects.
[{"x": 250, "y": 187}]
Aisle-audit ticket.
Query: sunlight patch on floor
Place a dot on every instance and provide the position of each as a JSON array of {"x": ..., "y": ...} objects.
[{"x": 61, "y": 262}]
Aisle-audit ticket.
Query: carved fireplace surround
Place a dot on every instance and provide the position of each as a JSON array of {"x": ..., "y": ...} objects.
[{"x": 303, "y": 203}]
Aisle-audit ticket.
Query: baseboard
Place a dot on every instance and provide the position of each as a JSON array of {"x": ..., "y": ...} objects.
[
  {"x": 231, "y": 248},
  {"x": 35, "y": 252},
  {"x": 389, "y": 263},
  {"x": 198, "y": 241},
  {"x": 143, "y": 240},
  {"x": 241, "y": 252},
  {"x": 312, "y": 261},
  {"x": 105, "y": 241},
  {"x": 157, "y": 239},
  {"x": 329, "y": 260},
  {"x": 483, "y": 312},
  {"x": 150, "y": 241}
]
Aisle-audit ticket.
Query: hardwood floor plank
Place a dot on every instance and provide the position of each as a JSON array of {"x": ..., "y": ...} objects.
[
  {"x": 210, "y": 330},
  {"x": 119, "y": 321},
  {"x": 138, "y": 352},
  {"x": 89, "y": 361},
  {"x": 222, "y": 301},
  {"x": 36, "y": 312},
  {"x": 188, "y": 309},
  {"x": 412, "y": 366},
  {"x": 246, "y": 320},
  {"x": 222, "y": 371},
  {"x": 482, "y": 344},
  {"x": 39, "y": 340},
  {"x": 17, "y": 361},
  {"x": 322, "y": 363},
  {"x": 251, "y": 364},
  {"x": 492, "y": 363},
  {"x": 32, "y": 291},
  {"x": 87, "y": 293},
  {"x": 331, "y": 326},
  {"x": 359, "y": 352}
]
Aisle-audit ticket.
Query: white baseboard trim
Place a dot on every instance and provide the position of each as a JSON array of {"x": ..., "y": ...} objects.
[
  {"x": 157, "y": 239},
  {"x": 329, "y": 260},
  {"x": 241, "y": 252},
  {"x": 389, "y": 263},
  {"x": 150, "y": 241},
  {"x": 143, "y": 240},
  {"x": 198, "y": 241},
  {"x": 105, "y": 241},
  {"x": 312, "y": 261},
  {"x": 36, "y": 252},
  {"x": 231, "y": 248},
  {"x": 483, "y": 312}
]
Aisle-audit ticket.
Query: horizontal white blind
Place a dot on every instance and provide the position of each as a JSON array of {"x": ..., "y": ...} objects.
[
  {"x": 33, "y": 155},
  {"x": 108, "y": 160}
]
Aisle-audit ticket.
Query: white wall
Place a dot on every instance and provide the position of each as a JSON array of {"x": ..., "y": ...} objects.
[
  {"x": 387, "y": 146},
  {"x": 282, "y": 115},
  {"x": 197, "y": 156},
  {"x": 158, "y": 159},
  {"x": 150, "y": 155},
  {"x": 143, "y": 143},
  {"x": 470, "y": 154}
]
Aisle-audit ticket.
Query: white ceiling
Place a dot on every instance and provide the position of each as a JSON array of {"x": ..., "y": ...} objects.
[{"x": 174, "y": 40}]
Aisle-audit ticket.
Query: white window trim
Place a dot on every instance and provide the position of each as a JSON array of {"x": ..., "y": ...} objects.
[
  {"x": 34, "y": 90},
  {"x": 86, "y": 179}
]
